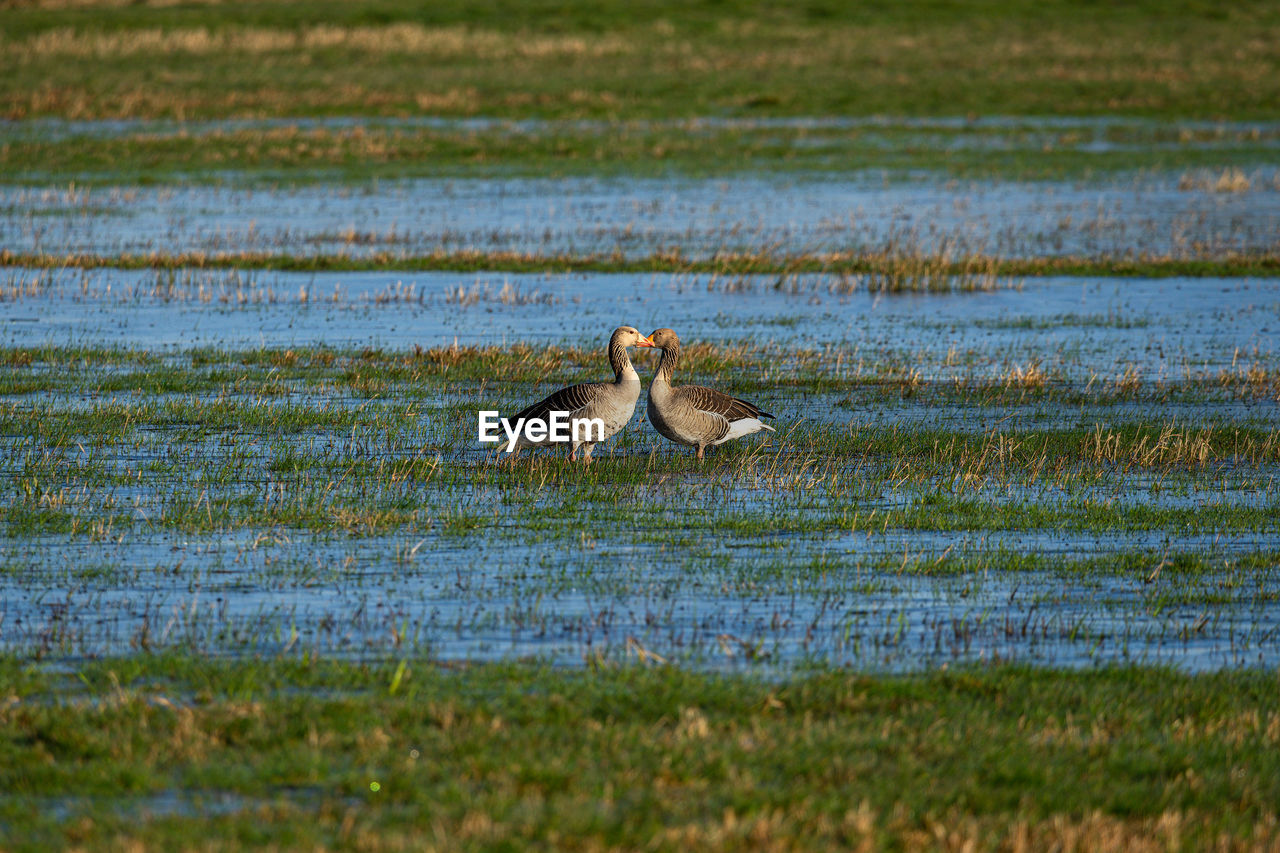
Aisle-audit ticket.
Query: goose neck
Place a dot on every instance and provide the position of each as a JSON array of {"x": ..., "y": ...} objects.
[
  {"x": 621, "y": 363},
  {"x": 670, "y": 359}
]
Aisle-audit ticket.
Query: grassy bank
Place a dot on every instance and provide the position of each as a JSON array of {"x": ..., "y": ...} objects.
[
  {"x": 887, "y": 271},
  {"x": 187, "y": 752},
  {"x": 655, "y": 59},
  {"x": 1214, "y": 157}
]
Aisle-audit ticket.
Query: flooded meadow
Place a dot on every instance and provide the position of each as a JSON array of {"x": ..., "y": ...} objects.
[
  {"x": 1057, "y": 470},
  {"x": 1003, "y": 279},
  {"x": 234, "y": 460},
  {"x": 1198, "y": 213}
]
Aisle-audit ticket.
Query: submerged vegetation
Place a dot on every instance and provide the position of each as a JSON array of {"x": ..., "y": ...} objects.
[{"x": 319, "y": 468}]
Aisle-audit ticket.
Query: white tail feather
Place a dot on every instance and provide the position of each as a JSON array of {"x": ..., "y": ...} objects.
[{"x": 746, "y": 426}]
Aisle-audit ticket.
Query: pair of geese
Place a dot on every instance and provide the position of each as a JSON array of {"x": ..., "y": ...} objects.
[{"x": 691, "y": 415}]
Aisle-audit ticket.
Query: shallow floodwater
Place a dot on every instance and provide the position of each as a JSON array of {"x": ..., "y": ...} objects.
[
  {"x": 1161, "y": 216},
  {"x": 506, "y": 588},
  {"x": 371, "y": 596},
  {"x": 770, "y": 602},
  {"x": 1072, "y": 328}
]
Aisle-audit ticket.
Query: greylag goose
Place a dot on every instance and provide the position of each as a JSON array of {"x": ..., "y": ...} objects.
[
  {"x": 692, "y": 414},
  {"x": 612, "y": 402}
]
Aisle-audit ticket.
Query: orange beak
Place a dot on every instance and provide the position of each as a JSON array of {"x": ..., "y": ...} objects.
[{"x": 644, "y": 342}]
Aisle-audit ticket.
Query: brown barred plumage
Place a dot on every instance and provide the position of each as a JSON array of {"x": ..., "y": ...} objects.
[{"x": 695, "y": 415}]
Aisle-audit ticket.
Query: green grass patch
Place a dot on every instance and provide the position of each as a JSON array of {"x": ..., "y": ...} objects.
[
  {"x": 362, "y": 152},
  {"x": 504, "y": 374},
  {"x": 246, "y": 459},
  {"x": 656, "y": 59},
  {"x": 302, "y": 753},
  {"x": 854, "y": 271}
]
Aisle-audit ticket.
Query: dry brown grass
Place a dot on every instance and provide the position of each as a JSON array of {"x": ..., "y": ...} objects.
[
  {"x": 1251, "y": 381},
  {"x": 1030, "y": 377},
  {"x": 1174, "y": 446},
  {"x": 1103, "y": 58},
  {"x": 1231, "y": 180},
  {"x": 112, "y": 4},
  {"x": 1097, "y": 832},
  {"x": 860, "y": 829},
  {"x": 450, "y": 42},
  {"x": 1129, "y": 381}
]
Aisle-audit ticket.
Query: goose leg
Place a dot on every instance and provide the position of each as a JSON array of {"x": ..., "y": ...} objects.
[
  {"x": 586, "y": 456},
  {"x": 700, "y": 453},
  {"x": 573, "y": 453}
]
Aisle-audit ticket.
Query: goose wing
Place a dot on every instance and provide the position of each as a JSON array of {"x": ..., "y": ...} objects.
[
  {"x": 573, "y": 399},
  {"x": 718, "y": 403}
]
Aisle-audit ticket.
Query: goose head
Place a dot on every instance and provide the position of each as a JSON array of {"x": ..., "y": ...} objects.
[
  {"x": 629, "y": 336},
  {"x": 664, "y": 338}
]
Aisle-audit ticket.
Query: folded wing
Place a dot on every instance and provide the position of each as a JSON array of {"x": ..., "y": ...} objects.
[{"x": 718, "y": 403}]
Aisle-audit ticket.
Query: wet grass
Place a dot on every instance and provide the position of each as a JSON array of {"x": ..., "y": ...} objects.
[
  {"x": 875, "y": 271},
  {"x": 919, "y": 375},
  {"x": 104, "y": 442},
  {"x": 179, "y": 751},
  {"x": 659, "y": 60},
  {"x": 341, "y": 97},
  {"x": 357, "y": 152}
]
